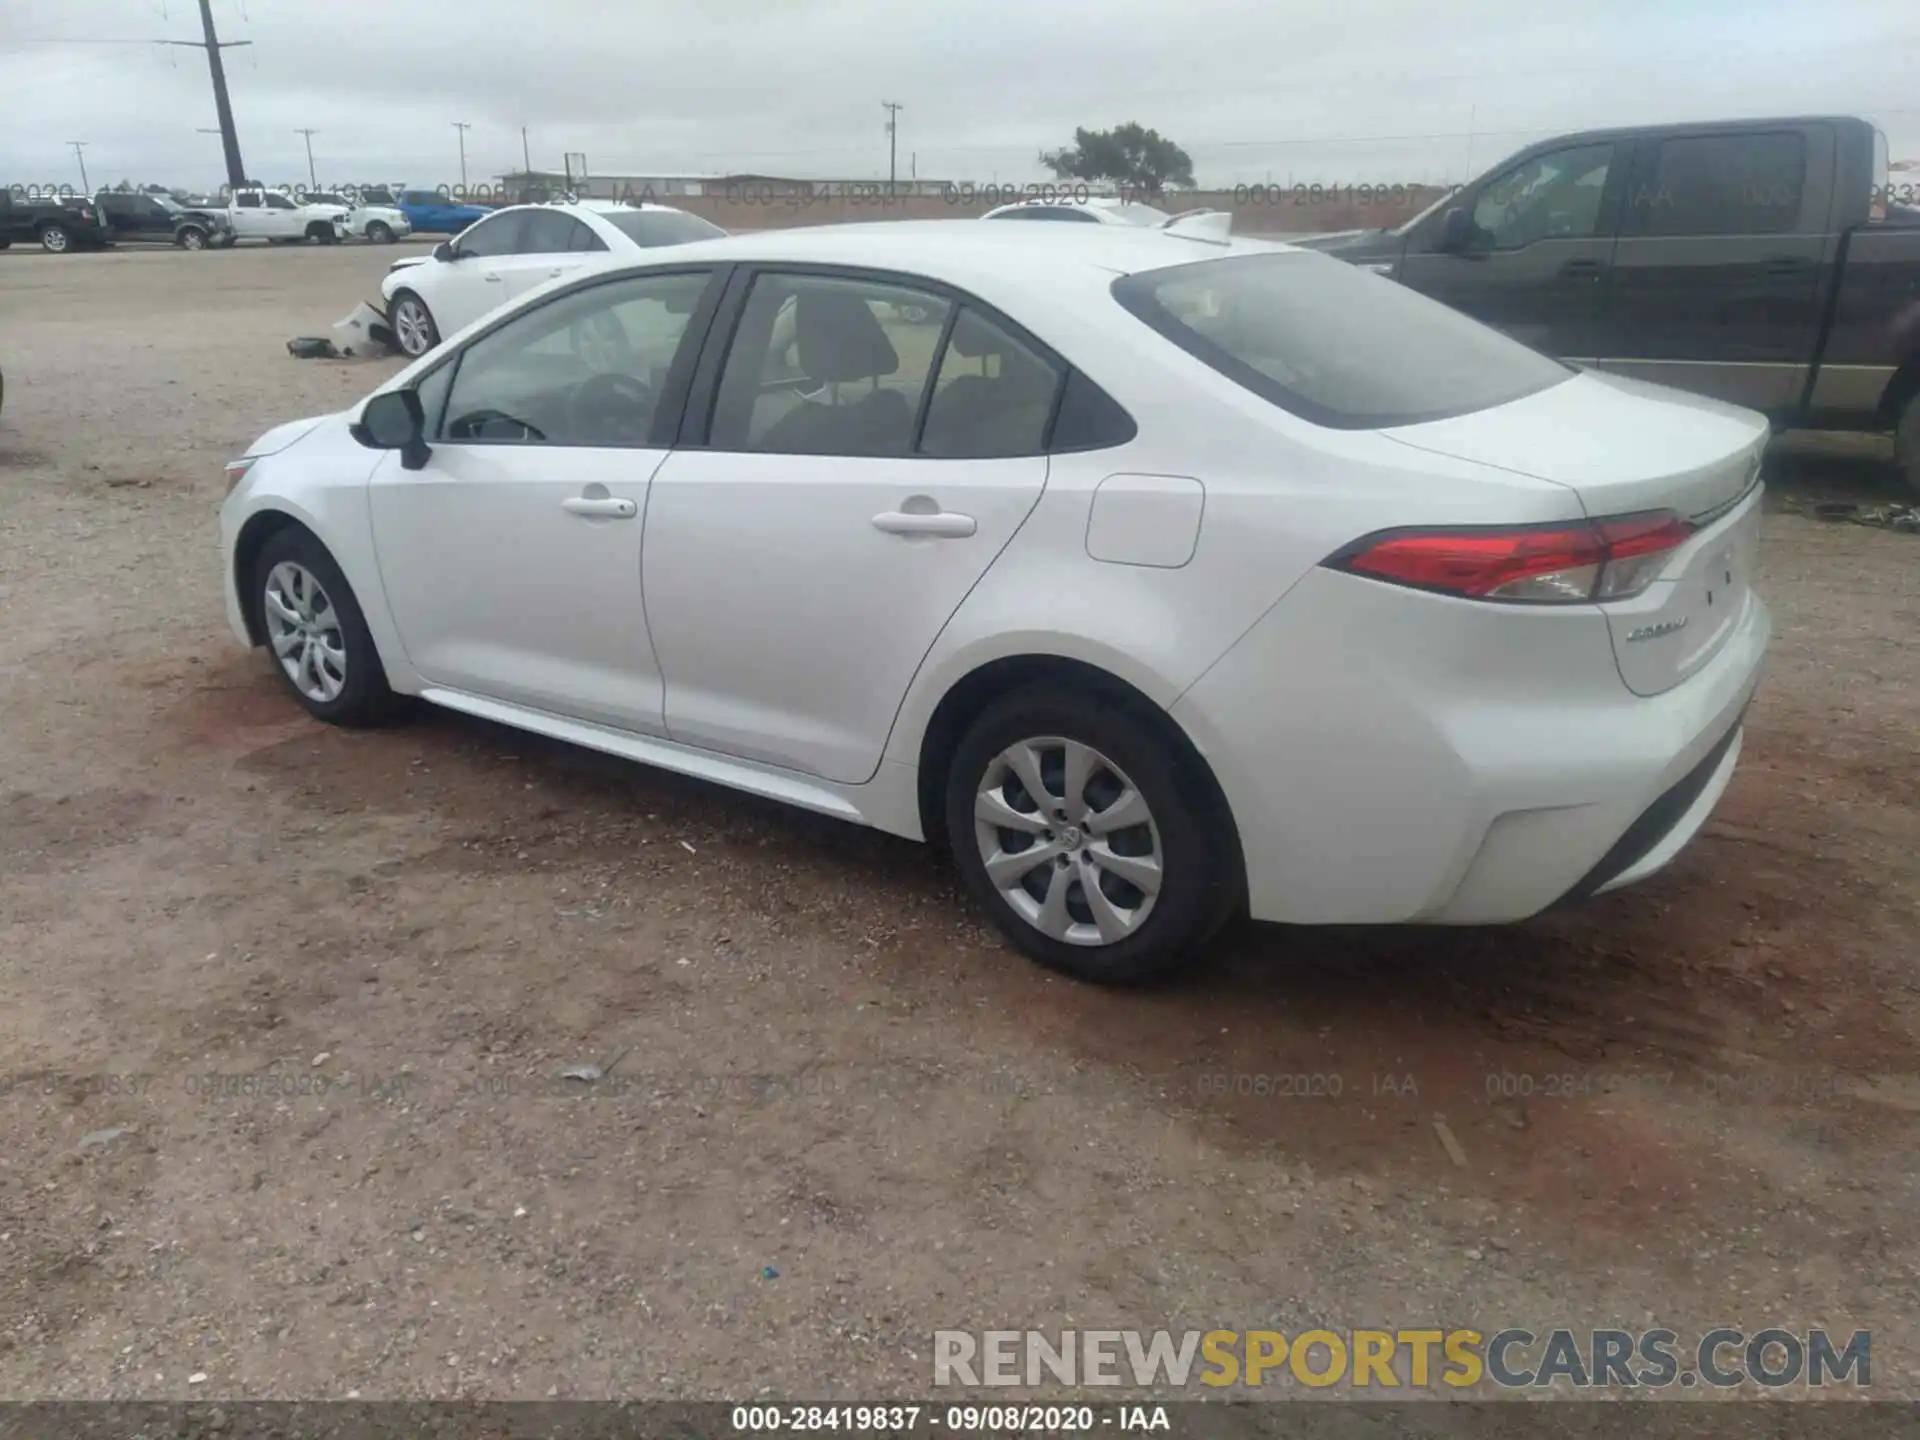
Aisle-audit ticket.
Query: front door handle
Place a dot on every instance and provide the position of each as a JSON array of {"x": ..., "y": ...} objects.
[
  {"x": 941, "y": 524},
  {"x": 555, "y": 273},
  {"x": 603, "y": 508},
  {"x": 1786, "y": 265},
  {"x": 1582, "y": 270},
  {"x": 495, "y": 279}
]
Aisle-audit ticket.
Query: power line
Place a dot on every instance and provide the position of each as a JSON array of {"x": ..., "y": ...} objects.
[
  {"x": 309, "y": 134},
  {"x": 462, "y": 126}
]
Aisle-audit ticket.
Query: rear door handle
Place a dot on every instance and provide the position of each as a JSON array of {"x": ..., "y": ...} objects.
[
  {"x": 943, "y": 525},
  {"x": 604, "y": 509},
  {"x": 1786, "y": 265},
  {"x": 494, "y": 278},
  {"x": 1583, "y": 270}
]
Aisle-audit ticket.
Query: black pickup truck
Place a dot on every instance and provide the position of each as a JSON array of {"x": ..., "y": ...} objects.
[
  {"x": 133, "y": 215},
  {"x": 1773, "y": 263},
  {"x": 57, "y": 225}
]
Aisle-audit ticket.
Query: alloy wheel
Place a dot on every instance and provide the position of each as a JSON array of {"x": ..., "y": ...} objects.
[
  {"x": 1068, "y": 841},
  {"x": 412, "y": 327},
  {"x": 305, "y": 632}
]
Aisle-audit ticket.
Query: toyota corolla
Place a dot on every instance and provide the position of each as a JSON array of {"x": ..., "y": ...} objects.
[{"x": 1158, "y": 574}]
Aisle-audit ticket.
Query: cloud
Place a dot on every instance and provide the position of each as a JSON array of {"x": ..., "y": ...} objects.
[{"x": 1378, "y": 90}]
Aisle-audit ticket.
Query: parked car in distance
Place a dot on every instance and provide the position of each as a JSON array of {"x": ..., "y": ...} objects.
[
  {"x": 1167, "y": 576},
  {"x": 1766, "y": 262},
  {"x": 55, "y": 225},
  {"x": 282, "y": 220},
  {"x": 136, "y": 216},
  {"x": 431, "y": 213},
  {"x": 514, "y": 250},
  {"x": 1096, "y": 210},
  {"x": 366, "y": 219}
]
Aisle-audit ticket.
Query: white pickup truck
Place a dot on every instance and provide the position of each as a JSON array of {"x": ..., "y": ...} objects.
[{"x": 282, "y": 220}]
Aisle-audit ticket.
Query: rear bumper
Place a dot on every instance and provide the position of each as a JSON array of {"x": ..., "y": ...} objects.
[{"x": 1389, "y": 756}]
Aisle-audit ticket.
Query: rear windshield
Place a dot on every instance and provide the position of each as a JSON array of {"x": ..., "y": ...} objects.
[
  {"x": 661, "y": 227},
  {"x": 1334, "y": 344}
]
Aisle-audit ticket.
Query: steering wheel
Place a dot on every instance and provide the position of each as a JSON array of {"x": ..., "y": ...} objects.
[
  {"x": 600, "y": 342},
  {"x": 613, "y": 407},
  {"x": 474, "y": 424}
]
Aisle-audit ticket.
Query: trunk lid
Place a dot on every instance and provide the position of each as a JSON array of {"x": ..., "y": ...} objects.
[{"x": 1625, "y": 446}]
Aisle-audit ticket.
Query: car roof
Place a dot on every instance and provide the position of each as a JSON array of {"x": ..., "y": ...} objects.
[
  {"x": 984, "y": 258},
  {"x": 1104, "y": 206}
]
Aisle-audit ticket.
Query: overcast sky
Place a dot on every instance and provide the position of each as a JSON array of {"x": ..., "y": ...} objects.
[{"x": 1365, "y": 91}]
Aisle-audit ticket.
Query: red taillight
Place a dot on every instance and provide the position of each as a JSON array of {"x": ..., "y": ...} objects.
[{"x": 1540, "y": 565}]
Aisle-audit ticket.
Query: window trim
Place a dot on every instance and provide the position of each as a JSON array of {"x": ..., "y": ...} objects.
[
  {"x": 696, "y": 423},
  {"x": 671, "y": 403}
]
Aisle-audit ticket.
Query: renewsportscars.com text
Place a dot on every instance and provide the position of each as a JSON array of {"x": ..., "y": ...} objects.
[{"x": 1769, "y": 1358}]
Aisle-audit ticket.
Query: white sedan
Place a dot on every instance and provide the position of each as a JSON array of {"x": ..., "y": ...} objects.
[
  {"x": 499, "y": 259},
  {"x": 1160, "y": 577}
]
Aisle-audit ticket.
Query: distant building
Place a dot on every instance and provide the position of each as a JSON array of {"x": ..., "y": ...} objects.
[{"x": 747, "y": 187}]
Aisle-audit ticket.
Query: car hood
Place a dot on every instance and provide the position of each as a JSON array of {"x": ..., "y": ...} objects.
[
  {"x": 281, "y": 436},
  {"x": 380, "y": 212}
]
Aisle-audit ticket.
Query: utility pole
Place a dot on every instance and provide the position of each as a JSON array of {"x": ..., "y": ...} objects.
[
  {"x": 78, "y": 146},
  {"x": 213, "y": 45},
  {"x": 311, "y": 178},
  {"x": 462, "y": 126},
  {"x": 893, "y": 138},
  {"x": 526, "y": 156}
]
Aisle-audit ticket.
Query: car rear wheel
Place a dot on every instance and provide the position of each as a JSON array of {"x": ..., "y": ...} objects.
[
  {"x": 318, "y": 637},
  {"x": 55, "y": 239},
  {"x": 191, "y": 237},
  {"x": 1076, "y": 825},
  {"x": 380, "y": 233},
  {"x": 413, "y": 328},
  {"x": 1906, "y": 444}
]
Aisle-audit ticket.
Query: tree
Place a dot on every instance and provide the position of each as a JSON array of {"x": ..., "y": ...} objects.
[{"x": 1128, "y": 155}]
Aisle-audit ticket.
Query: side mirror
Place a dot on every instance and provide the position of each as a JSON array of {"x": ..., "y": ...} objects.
[
  {"x": 395, "y": 421},
  {"x": 443, "y": 251},
  {"x": 1456, "y": 229}
]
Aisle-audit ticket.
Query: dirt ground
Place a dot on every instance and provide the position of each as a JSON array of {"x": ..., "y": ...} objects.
[{"x": 284, "y": 1010}]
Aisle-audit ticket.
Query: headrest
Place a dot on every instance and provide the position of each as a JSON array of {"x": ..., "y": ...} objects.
[{"x": 839, "y": 339}]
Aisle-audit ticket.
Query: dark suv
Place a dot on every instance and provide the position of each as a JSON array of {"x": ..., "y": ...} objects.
[{"x": 136, "y": 216}]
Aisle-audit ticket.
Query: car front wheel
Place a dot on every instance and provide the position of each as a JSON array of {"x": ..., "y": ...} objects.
[
  {"x": 380, "y": 233},
  {"x": 192, "y": 237},
  {"x": 319, "y": 638},
  {"x": 1080, "y": 830},
  {"x": 412, "y": 323}
]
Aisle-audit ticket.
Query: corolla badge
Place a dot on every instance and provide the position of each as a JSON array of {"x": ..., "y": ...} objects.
[{"x": 1654, "y": 632}]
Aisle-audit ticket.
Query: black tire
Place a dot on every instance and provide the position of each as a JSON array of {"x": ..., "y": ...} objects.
[
  {"x": 1197, "y": 891},
  {"x": 57, "y": 239},
  {"x": 379, "y": 232},
  {"x": 226, "y": 240},
  {"x": 191, "y": 237},
  {"x": 1906, "y": 444},
  {"x": 405, "y": 297},
  {"x": 321, "y": 231},
  {"x": 364, "y": 698}
]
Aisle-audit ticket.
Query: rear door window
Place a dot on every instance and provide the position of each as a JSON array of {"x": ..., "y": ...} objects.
[
  {"x": 1721, "y": 185},
  {"x": 1333, "y": 344}
]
